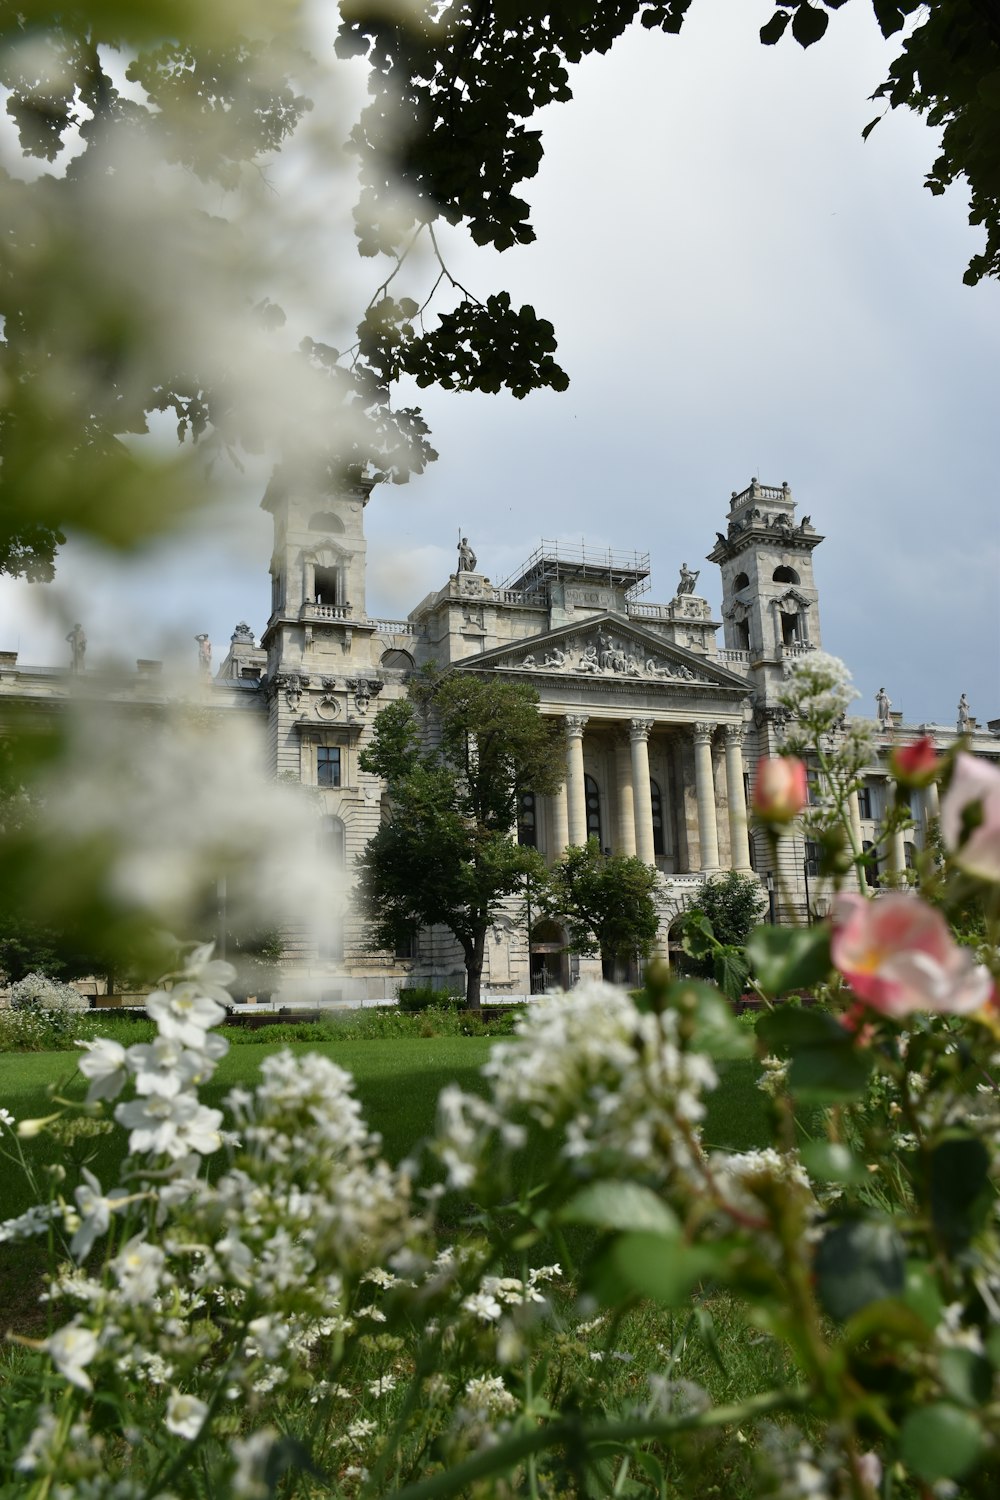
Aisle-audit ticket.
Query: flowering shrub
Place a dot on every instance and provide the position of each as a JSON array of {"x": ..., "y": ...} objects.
[
  {"x": 37, "y": 992},
  {"x": 261, "y": 1299}
]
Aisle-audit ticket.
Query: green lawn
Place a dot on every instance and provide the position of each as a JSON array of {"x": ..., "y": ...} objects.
[{"x": 398, "y": 1082}]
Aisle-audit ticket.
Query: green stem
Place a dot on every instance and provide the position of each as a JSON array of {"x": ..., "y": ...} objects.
[{"x": 515, "y": 1449}]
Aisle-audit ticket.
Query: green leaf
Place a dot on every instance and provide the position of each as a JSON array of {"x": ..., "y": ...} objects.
[
  {"x": 940, "y": 1441},
  {"x": 829, "y": 1161},
  {"x": 621, "y": 1205},
  {"x": 650, "y": 1265},
  {"x": 960, "y": 1189},
  {"x": 715, "y": 1029},
  {"x": 966, "y": 1376},
  {"x": 921, "y": 1293},
  {"x": 829, "y": 1074},
  {"x": 789, "y": 958},
  {"x": 784, "y": 1031},
  {"x": 858, "y": 1261},
  {"x": 809, "y": 24},
  {"x": 774, "y": 29},
  {"x": 731, "y": 972}
]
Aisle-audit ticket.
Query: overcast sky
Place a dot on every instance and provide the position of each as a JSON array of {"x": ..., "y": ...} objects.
[{"x": 740, "y": 287}]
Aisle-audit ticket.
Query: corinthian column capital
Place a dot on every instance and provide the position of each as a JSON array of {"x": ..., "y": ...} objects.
[
  {"x": 639, "y": 729},
  {"x": 703, "y": 732},
  {"x": 734, "y": 734},
  {"x": 575, "y": 725}
]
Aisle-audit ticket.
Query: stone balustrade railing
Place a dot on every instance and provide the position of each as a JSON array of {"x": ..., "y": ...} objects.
[
  {"x": 311, "y": 611},
  {"x": 734, "y": 656},
  {"x": 396, "y": 627}
]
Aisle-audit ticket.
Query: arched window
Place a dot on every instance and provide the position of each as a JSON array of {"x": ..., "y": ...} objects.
[
  {"x": 397, "y": 661},
  {"x": 656, "y": 801},
  {"x": 325, "y": 520},
  {"x": 331, "y": 841},
  {"x": 741, "y": 581},
  {"x": 785, "y": 574},
  {"x": 527, "y": 821},
  {"x": 593, "y": 810}
]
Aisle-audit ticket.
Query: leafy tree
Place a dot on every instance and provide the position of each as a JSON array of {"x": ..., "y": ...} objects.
[
  {"x": 607, "y": 903},
  {"x": 714, "y": 928},
  {"x": 455, "y": 758}
]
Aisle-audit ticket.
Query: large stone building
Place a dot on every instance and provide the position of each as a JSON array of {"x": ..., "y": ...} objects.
[{"x": 663, "y": 724}]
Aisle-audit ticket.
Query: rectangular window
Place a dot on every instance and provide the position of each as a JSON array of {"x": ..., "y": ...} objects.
[
  {"x": 865, "y": 801},
  {"x": 327, "y": 765}
]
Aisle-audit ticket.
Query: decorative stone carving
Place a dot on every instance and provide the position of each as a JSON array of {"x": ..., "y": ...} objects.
[
  {"x": 242, "y": 635},
  {"x": 609, "y": 656},
  {"x": 575, "y": 724},
  {"x": 964, "y": 715},
  {"x": 703, "y": 732},
  {"x": 466, "y": 557},
  {"x": 639, "y": 729},
  {"x": 883, "y": 704},
  {"x": 734, "y": 734},
  {"x": 472, "y": 617},
  {"x": 293, "y": 685},
  {"x": 364, "y": 690}
]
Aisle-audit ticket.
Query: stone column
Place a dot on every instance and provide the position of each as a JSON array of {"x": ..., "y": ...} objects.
[
  {"x": 638, "y": 730},
  {"x": 854, "y": 813},
  {"x": 931, "y": 810},
  {"x": 739, "y": 838},
  {"x": 560, "y": 823},
  {"x": 625, "y": 800},
  {"x": 897, "y": 851},
  {"x": 576, "y": 792},
  {"x": 704, "y": 781}
]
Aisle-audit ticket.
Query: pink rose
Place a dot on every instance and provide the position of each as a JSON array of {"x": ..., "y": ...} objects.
[
  {"x": 970, "y": 816},
  {"x": 897, "y": 954},
  {"x": 916, "y": 764},
  {"x": 780, "y": 788}
]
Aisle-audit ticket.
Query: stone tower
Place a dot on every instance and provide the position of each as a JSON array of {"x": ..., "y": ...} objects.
[{"x": 770, "y": 603}]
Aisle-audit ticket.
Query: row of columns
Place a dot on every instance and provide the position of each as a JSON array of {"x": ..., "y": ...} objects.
[
  {"x": 897, "y": 842},
  {"x": 634, "y": 798}
]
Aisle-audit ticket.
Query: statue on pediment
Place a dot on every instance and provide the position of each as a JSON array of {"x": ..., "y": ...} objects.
[
  {"x": 554, "y": 657},
  {"x": 588, "y": 660}
]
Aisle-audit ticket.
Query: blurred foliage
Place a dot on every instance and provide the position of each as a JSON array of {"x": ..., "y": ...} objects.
[{"x": 215, "y": 92}]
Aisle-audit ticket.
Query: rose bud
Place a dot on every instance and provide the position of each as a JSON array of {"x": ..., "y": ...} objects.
[
  {"x": 917, "y": 764},
  {"x": 780, "y": 789}
]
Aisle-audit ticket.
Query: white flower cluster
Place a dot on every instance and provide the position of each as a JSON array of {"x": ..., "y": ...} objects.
[
  {"x": 746, "y": 1180},
  {"x": 39, "y": 992},
  {"x": 818, "y": 691},
  {"x": 613, "y": 1079}
]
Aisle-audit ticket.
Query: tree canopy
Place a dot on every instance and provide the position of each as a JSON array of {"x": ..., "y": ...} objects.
[
  {"x": 92, "y": 345},
  {"x": 606, "y": 902},
  {"x": 456, "y": 757}
]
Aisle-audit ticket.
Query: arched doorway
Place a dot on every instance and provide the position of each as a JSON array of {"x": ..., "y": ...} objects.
[{"x": 549, "y": 958}]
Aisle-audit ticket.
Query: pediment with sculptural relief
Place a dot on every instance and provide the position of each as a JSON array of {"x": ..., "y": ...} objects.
[{"x": 606, "y": 648}]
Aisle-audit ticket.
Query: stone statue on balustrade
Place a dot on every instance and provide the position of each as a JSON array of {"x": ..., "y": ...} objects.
[
  {"x": 466, "y": 557},
  {"x": 883, "y": 705},
  {"x": 688, "y": 579},
  {"x": 964, "y": 715},
  {"x": 204, "y": 653},
  {"x": 78, "y": 647}
]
